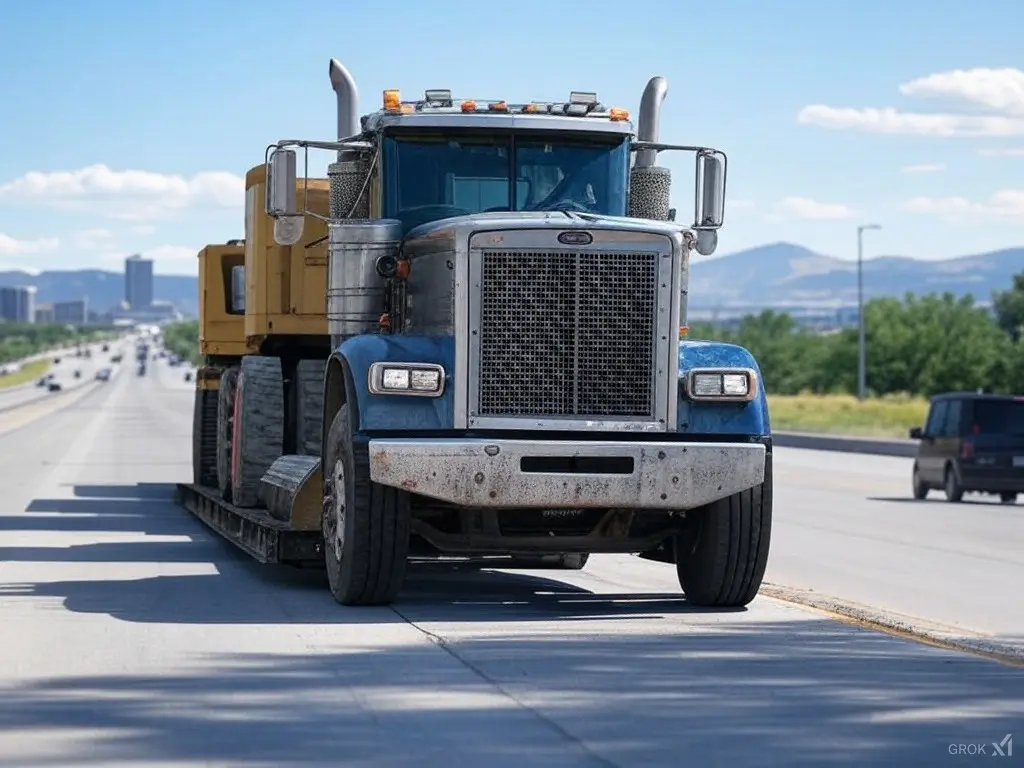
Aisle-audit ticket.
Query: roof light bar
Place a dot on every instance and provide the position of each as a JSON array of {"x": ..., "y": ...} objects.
[{"x": 583, "y": 97}]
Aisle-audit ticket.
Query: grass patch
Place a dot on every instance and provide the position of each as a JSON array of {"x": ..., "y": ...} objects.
[
  {"x": 889, "y": 416},
  {"x": 28, "y": 372}
]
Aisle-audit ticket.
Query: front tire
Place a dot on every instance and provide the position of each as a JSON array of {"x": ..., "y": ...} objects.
[
  {"x": 365, "y": 525},
  {"x": 723, "y": 562}
]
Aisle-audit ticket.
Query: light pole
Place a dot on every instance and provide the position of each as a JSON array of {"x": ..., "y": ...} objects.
[{"x": 862, "y": 367}]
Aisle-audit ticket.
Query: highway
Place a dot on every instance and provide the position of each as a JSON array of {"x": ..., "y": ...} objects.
[
  {"x": 132, "y": 635},
  {"x": 847, "y": 526},
  {"x": 63, "y": 372}
]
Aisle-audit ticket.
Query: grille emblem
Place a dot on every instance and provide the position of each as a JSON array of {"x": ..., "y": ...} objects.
[{"x": 575, "y": 238}]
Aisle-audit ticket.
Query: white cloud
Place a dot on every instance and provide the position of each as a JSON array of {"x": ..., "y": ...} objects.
[
  {"x": 93, "y": 239},
  {"x": 1006, "y": 203},
  {"x": 130, "y": 195},
  {"x": 142, "y": 229},
  {"x": 924, "y": 168},
  {"x": 805, "y": 208},
  {"x": 889, "y": 121},
  {"x": 10, "y": 246},
  {"x": 1008, "y": 152},
  {"x": 999, "y": 91},
  {"x": 166, "y": 253}
]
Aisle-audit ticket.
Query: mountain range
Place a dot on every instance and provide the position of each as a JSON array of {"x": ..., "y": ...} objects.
[
  {"x": 780, "y": 275},
  {"x": 785, "y": 275},
  {"x": 101, "y": 289}
]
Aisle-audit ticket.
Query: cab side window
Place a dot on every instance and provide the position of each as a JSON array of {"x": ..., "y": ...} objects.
[
  {"x": 936, "y": 419},
  {"x": 951, "y": 424}
]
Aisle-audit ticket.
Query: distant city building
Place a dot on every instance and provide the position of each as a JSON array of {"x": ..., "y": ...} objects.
[
  {"x": 138, "y": 282},
  {"x": 17, "y": 304},
  {"x": 72, "y": 312},
  {"x": 44, "y": 314}
]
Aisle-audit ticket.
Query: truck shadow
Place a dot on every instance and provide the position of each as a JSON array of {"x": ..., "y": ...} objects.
[{"x": 219, "y": 584}]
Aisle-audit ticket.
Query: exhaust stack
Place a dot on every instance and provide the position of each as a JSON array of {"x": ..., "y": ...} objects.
[
  {"x": 649, "y": 121},
  {"x": 344, "y": 86}
]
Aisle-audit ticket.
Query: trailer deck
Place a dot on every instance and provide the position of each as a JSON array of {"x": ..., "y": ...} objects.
[{"x": 252, "y": 530}]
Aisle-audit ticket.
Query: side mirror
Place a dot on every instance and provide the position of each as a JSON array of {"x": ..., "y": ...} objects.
[
  {"x": 281, "y": 201},
  {"x": 915, "y": 433},
  {"x": 710, "y": 202},
  {"x": 281, "y": 180}
]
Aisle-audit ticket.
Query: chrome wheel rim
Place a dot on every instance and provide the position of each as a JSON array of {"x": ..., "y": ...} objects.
[{"x": 338, "y": 483}]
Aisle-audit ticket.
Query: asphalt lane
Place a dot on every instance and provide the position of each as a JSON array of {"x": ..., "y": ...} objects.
[
  {"x": 131, "y": 635},
  {"x": 847, "y": 526},
  {"x": 64, "y": 373}
]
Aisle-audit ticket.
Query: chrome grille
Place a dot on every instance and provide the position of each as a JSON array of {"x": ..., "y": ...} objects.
[{"x": 568, "y": 333}]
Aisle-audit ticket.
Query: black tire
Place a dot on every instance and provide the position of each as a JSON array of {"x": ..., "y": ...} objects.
[
  {"x": 204, "y": 438},
  {"x": 309, "y": 406},
  {"x": 721, "y": 562},
  {"x": 954, "y": 491},
  {"x": 919, "y": 488},
  {"x": 1008, "y": 498},
  {"x": 259, "y": 426},
  {"x": 370, "y": 567},
  {"x": 225, "y": 430}
]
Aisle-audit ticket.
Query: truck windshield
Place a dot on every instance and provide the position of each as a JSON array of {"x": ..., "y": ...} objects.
[{"x": 430, "y": 178}]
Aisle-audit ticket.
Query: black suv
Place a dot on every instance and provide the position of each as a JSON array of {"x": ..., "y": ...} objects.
[{"x": 972, "y": 442}]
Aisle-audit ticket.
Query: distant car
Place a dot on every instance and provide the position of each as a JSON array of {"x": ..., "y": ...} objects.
[
  {"x": 43, "y": 381},
  {"x": 56, "y": 360},
  {"x": 188, "y": 375},
  {"x": 54, "y": 386},
  {"x": 78, "y": 374},
  {"x": 972, "y": 442},
  {"x": 103, "y": 374}
]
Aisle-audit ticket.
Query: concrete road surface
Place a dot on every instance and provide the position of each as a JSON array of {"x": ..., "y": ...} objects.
[
  {"x": 132, "y": 636},
  {"x": 847, "y": 526}
]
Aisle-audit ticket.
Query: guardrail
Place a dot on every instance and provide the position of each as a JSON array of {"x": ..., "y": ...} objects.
[{"x": 877, "y": 446}]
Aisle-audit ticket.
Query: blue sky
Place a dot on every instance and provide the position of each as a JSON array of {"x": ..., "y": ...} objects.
[{"x": 125, "y": 127}]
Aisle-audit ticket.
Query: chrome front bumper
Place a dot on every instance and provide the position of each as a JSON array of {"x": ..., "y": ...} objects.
[{"x": 489, "y": 473}]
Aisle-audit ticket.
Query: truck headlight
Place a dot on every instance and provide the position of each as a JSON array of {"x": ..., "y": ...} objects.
[
  {"x": 421, "y": 379},
  {"x": 721, "y": 384}
]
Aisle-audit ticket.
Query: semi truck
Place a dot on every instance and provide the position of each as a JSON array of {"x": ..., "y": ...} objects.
[{"x": 507, "y": 370}]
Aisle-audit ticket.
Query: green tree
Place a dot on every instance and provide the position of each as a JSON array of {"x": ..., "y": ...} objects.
[
  {"x": 183, "y": 340},
  {"x": 1009, "y": 308}
]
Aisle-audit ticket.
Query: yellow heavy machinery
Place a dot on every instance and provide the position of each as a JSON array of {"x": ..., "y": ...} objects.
[
  {"x": 221, "y": 343},
  {"x": 263, "y": 336}
]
